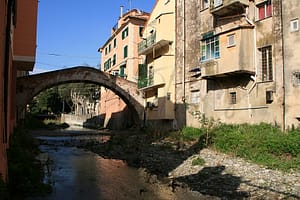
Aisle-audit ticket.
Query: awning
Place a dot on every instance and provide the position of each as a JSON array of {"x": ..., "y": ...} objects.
[{"x": 151, "y": 91}]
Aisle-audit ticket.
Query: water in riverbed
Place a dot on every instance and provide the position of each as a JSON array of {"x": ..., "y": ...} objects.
[{"x": 78, "y": 174}]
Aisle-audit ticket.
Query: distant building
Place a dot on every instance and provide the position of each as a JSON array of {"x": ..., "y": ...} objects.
[
  {"x": 119, "y": 57},
  {"x": 18, "y": 22},
  {"x": 236, "y": 61},
  {"x": 157, "y": 68}
]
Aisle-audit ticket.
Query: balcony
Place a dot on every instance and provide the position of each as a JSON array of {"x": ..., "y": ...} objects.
[
  {"x": 146, "y": 43},
  {"x": 234, "y": 59},
  {"x": 149, "y": 44},
  {"x": 228, "y": 7}
]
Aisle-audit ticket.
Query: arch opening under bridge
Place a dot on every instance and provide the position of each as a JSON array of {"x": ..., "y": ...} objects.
[{"x": 30, "y": 86}]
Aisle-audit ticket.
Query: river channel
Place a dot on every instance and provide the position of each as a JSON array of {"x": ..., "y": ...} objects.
[{"x": 80, "y": 174}]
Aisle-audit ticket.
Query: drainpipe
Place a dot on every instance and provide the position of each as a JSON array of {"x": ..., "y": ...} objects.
[
  {"x": 254, "y": 78},
  {"x": 283, "y": 70},
  {"x": 183, "y": 56}
]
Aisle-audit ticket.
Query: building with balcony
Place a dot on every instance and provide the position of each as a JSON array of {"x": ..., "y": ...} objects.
[
  {"x": 17, "y": 56},
  {"x": 157, "y": 68},
  {"x": 119, "y": 56},
  {"x": 234, "y": 61}
]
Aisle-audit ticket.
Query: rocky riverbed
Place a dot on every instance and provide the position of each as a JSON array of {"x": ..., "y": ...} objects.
[{"x": 221, "y": 176}]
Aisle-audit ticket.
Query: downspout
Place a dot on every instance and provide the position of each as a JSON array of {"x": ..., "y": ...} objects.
[
  {"x": 6, "y": 69},
  {"x": 254, "y": 78},
  {"x": 283, "y": 70},
  {"x": 183, "y": 56}
]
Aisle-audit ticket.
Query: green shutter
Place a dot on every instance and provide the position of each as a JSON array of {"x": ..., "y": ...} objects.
[
  {"x": 122, "y": 71},
  {"x": 125, "y": 51}
]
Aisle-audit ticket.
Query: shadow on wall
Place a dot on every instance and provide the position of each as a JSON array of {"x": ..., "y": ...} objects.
[
  {"x": 121, "y": 120},
  {"x": 117, "y": 121},
  {"x": 95, "y": 122}
]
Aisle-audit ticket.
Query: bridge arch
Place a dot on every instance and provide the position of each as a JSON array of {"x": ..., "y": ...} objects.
[{"x": 30, "y": 86}]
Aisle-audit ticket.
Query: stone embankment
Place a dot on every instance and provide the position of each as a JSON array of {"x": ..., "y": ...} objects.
[{"x": 220, "y": 177}]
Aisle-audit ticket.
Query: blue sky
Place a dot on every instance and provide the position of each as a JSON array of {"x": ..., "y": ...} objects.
[{"x": 69, "y": 32}]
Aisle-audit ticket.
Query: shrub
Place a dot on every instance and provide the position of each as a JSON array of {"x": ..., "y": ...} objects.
[{"x": 25, "y": 172}]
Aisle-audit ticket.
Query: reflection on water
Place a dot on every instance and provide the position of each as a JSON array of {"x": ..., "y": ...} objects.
[{"x": 79, "y": 174}]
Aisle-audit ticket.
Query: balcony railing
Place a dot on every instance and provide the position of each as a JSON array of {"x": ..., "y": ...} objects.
[
  {"x": 146, "y": 43},
  {"x": 143, "y": 82},
  {"x": 226, "y": 7}
]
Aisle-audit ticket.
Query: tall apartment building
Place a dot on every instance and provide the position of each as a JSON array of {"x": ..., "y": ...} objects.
[
  {"x": 157, "y": 69},
  {"x": 17, "y": 55},
  {"x": 236, "y": 61},
  {"x": 119, "y": 56}
]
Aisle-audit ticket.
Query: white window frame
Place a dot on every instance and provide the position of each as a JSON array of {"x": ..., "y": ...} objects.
[
  {"x": 266, "y": 63},
  {"x": 214, "y": 48},
  {"x": 195, "y": 96},
  {"x": 204, "y": 4},
  {"x": 231, "y": 40},
  {"x": 233, "y": 98},
  {"x": 294, "y": 24}
]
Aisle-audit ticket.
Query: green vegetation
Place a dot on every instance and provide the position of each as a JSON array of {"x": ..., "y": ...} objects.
[
  {"x": 59, "y": 99},
  {"x": 198, "y": 161},
  {"x": 32, "y": 122},
  {"x": 262, "y": 144},
  {"x": 25, "y": 172}
]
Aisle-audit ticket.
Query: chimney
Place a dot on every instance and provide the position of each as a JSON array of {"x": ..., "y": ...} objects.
[{"x": 121, "y": 11}]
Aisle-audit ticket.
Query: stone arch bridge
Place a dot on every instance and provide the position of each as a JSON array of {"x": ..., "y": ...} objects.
[{"x": 29, "y": 86}]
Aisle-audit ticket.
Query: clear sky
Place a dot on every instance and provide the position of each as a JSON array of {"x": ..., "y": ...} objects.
[{"x": 70, "y": 32}]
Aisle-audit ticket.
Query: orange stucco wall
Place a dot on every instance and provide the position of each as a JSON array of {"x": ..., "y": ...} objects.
[
  {"x": 20, "y": 41},
  {"x": 2, "y": 51}
]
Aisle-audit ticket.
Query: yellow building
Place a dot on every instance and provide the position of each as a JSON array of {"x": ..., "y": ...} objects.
[
  {"x": 119, "y": 56},
  {"x": 157, "y": 69}
]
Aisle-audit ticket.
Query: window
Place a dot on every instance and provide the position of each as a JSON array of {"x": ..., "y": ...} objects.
[
  {"x": 122, "y": 71},
  {"x": 266, "y": 63},
  {"x": 141, "y": 31},
  {"x": 115, "y": 42},
  {"x": 294, "y": 25},
  {"x": 264, "y": 10},
  {"x": 109, "y": 47},
  {"x": 114, "y": 60},
  {"x": 210, "y": 48},
  {"x": 217, "y": 3},
  {"x": 269, "y": 97},
  {"x": 195, "y": 97},
  {"x": 151, "y": 76},
  {"x": 106, "y": 51},
  {"x": 296, "y": 78},
  {"x": 204, "y": 4},
  {"x": 232, "y": 97},
  {"x": 107, "y": 64},
  {"x": 143, "y": 76},
  {"x": 125, "y": 33},
  {"x": 125, "y": 53},
  {"x": 230, "y": 40}
]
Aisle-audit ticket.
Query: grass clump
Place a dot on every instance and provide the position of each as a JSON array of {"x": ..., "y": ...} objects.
[
  {"x": 198, "y": 161},
  {"x": 191, "y": 134},
  {"x": 263, "y": 144}
]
